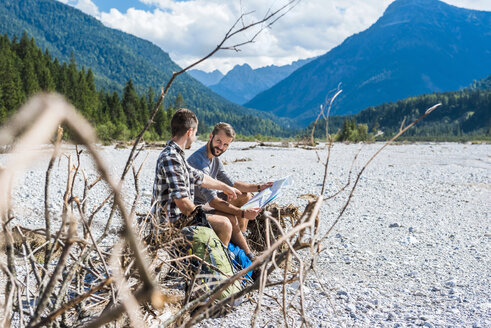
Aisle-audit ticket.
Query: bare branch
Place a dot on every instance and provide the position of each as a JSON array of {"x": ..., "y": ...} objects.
[
  {"x": 47, "y": 217},
  {"x": 43, "y": 300}
]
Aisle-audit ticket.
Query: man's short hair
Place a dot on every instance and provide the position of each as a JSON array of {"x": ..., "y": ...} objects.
[
  {"x": 182, "y": 121},
  {"x": 225, "y": 127}
]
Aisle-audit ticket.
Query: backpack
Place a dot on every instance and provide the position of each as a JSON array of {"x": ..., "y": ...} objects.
[{"x": 205, "y": 244}]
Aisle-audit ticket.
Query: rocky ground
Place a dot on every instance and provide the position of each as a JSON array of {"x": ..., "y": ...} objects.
[{"x": 411, "y": 250}]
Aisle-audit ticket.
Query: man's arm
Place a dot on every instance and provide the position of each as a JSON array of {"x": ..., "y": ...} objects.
[
  {"x": 226, "y": 207},
  {"x": 186, "y": 206},
  {"x": 247, "y": 187},
  {"x": 210, "y": 183}
]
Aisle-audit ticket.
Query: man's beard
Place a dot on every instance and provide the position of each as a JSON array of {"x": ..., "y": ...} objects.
[{"x": 213, "y": 149}]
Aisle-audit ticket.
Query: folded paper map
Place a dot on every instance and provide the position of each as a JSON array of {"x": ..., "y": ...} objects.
[{"x": 267, "y": 195}]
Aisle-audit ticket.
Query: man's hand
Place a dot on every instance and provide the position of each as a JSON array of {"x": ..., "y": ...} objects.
[
  {"x": 251, "y": 213},
  {"x": 265, "y": 185},
  {"x": 231, "y": 192}
]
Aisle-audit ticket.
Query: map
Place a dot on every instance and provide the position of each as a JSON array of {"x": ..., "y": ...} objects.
[{"x": 264, "y": 197}]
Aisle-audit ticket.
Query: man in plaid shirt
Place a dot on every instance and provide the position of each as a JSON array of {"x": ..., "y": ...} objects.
[{"x": 173, "y": 189}]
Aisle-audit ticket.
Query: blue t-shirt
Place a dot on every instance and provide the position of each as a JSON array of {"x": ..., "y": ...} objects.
[{"x": 214, "y": 168}]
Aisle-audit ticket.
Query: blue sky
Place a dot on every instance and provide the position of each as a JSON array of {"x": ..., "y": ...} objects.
[
  {"x": 189, "y": 29},
  {"x": 121, "y": 5}
]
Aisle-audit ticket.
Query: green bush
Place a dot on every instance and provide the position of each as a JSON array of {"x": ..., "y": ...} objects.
[
  {"x": 353, "y": 132},
  {"x": 105, "y": 131}
]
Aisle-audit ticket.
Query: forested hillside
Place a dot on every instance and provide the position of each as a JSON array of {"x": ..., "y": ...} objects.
[
  {"x": 116, "y": 57},
  {"x": 26, "y": 70},
  {"x": 484, "y": 84},
  {"x": 463, "y": 115}
]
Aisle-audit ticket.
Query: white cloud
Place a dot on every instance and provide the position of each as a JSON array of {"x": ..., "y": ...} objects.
[
  {"x": 188, "y": 30},
  {"x": 471, "y": 4},
  {"x": 88, "y": 7}
]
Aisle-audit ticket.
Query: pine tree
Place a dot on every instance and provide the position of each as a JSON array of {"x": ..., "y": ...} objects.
[
  {"x": 144, "y": 113},
  {"x": 179, "y": 101},
  {"x": 160, "y": 123},
  {"x": 130, "y": 105},
  {"x": 29, "y": 77},
  {"x": 70, "y": 77},
  {"x": 11, "y": 84},
  {"x": 3, "y": 110},
  {"x": 116, "y": 111},
  {"x": 46, "y": 81}
]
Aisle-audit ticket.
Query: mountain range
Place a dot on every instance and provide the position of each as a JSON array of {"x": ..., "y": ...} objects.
[
  {"x": 243, "y": 82},
  {"x": 115, "y": 57},
  {"x": 416, "y": 47},
  {"x": 207, "y": 78}
]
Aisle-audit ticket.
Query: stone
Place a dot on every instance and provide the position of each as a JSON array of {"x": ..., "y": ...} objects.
[
  {"x": 350, "y": 308},
  {"x": 450, "y": 284},
  {"x": 391, "y": 316},
  {"x": 342, "y": 293}
]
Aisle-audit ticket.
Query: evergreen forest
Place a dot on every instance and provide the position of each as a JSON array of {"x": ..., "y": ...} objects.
[
  {"x": 26, "y": 70},
  {"x": 463, "y": 115}
]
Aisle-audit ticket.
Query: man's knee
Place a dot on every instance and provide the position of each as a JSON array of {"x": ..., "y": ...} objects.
[
  {"x": 234, "y": 221},
  {"x": 221, "y": 224},
  {"x": 229, "y": 225}
]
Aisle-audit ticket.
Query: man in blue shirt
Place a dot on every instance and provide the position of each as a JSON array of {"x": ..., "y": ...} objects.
[{"x": 206, "y": 160}]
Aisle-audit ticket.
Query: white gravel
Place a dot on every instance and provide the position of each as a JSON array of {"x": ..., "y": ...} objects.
[{"x": 411, "y": 250}]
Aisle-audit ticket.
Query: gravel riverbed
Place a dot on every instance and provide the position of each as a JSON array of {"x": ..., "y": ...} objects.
[{"x": 412, "y": 249}]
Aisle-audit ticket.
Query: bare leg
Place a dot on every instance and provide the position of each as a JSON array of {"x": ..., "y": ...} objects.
[
  {"x": 222, "y": 226},
  {"x": 237, "y": 237},
  {"x": 239, "y": 202}
]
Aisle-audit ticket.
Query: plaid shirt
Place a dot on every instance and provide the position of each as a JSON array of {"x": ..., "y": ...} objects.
[{"x": 174, "y": 179}]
